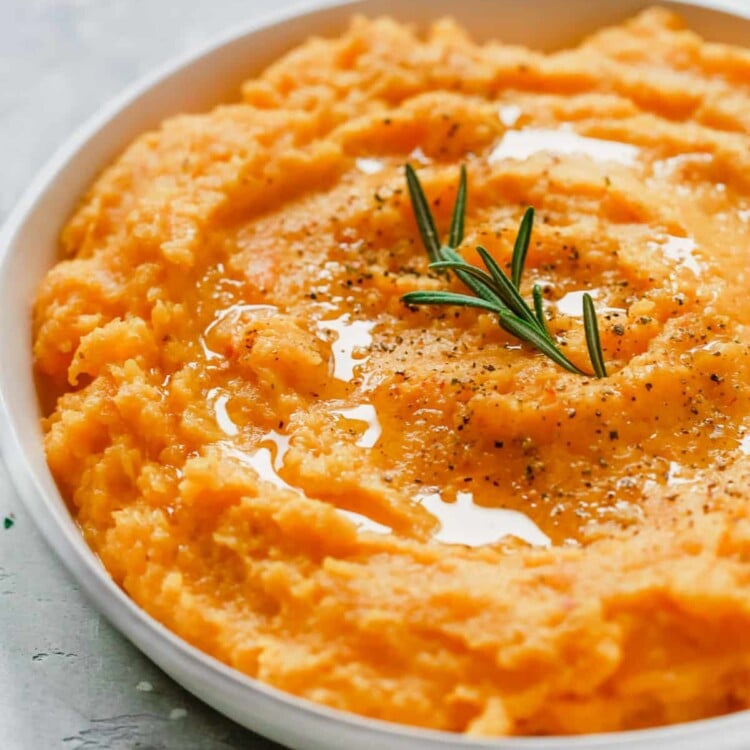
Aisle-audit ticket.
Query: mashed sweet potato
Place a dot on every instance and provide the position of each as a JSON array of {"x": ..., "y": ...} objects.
[{"x": 400, "y": 512}]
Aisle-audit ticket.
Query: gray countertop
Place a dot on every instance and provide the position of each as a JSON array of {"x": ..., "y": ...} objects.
[{"x": 67, "y": 678}]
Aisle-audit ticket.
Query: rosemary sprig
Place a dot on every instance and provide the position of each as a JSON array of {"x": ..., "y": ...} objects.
[{"x": 494, "y": 291}]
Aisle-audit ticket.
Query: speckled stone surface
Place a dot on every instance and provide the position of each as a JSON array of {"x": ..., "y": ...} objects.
[{"x": 67, "y": 678}]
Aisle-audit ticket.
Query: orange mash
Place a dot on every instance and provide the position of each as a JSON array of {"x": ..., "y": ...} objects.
[{"x": 406, "y": 513}]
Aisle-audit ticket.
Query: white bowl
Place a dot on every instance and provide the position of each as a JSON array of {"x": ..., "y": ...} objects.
[{"x": 28, "y": 248}]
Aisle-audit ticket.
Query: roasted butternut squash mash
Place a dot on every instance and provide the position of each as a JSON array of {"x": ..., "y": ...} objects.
[{"x": 404, "y": 512}]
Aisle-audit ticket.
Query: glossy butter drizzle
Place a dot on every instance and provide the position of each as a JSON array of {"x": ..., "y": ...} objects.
[
  {"x": 523, "y": 144},
  {"x": 460, "y": 522}
]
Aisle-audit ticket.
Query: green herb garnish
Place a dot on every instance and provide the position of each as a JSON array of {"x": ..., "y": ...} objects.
[
  {"x": 8, "y": 522},
  {"x": 592, "y": 337},
  {"x": 493, "y": 289}
]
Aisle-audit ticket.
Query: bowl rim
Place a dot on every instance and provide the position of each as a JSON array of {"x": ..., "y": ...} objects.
[{"x": 46, "y": 509}]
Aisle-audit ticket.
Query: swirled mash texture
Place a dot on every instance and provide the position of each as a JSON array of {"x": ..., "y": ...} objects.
[{"x": 405, "y": 512}]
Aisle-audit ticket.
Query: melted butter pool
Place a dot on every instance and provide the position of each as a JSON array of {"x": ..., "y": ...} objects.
[
  {"x": 464, "y": 522},
  {"x": 268, "y": 460},
  {"x": 217, "y": 400},
  {"x": 368, "y": 165},
  {"x": 366, "y": 414},
  {"x": 522, "y": 144},
  {"x": 350, "y": 337},
  {"x": 509, "y": 114},
  {"x": 680, "y": 251},
  {"x": 571, "y": 304}
]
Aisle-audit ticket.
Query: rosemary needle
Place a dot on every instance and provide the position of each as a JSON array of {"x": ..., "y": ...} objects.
[
  {"x": 521, "y": 247},
  {"x": 592, "y": 337},
  {"x": 422, "y": 212},
  {"x": 493, "y": 290},
  {"x": 456, "y": 235}
]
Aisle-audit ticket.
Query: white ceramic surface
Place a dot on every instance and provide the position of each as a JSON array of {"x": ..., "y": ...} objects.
[{"x": 28, "y": 246}]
